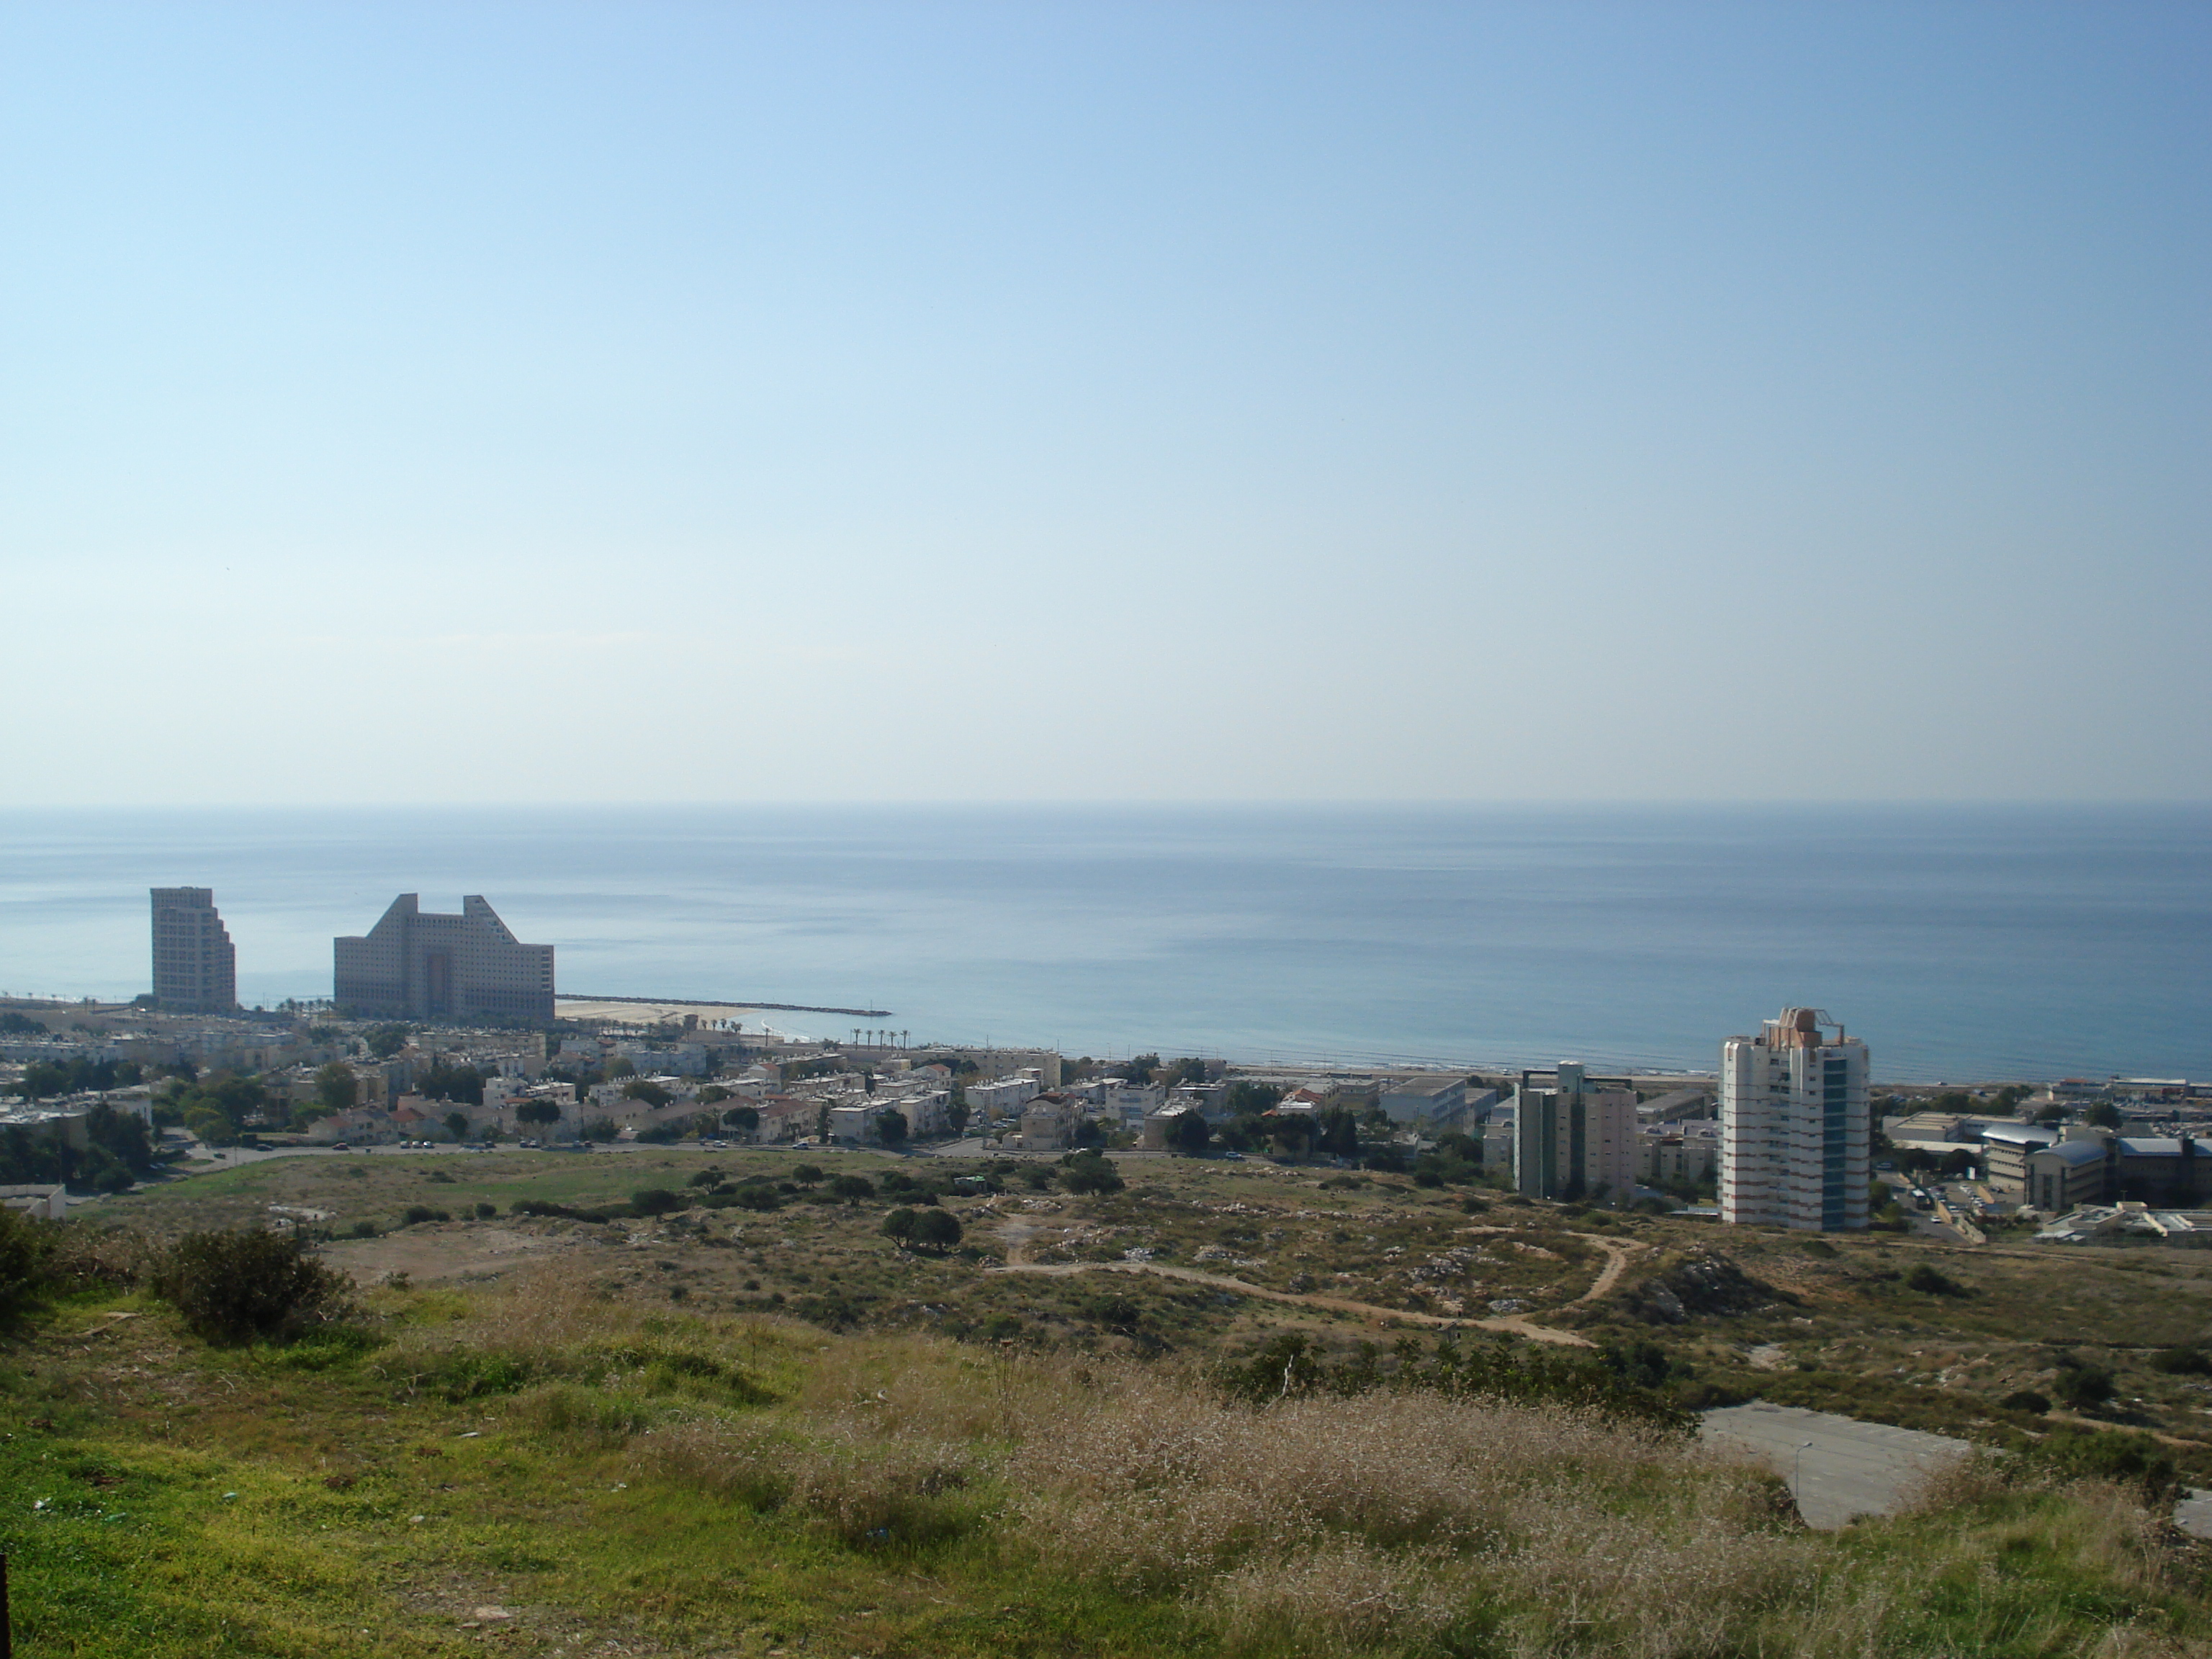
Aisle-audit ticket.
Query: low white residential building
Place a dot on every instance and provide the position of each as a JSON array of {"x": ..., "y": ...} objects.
[
  {"x": 1132, "y": 1102},
  {"x": 989, "y": 1100},
  {"x": 46, "y": 1203}
]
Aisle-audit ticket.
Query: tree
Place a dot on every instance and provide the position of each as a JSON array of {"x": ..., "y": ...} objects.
[
  {"x": 956, "y": 1108},
  {"x": 1339, "y": 1134},
  {"x": 851, "y": 1189},
  {"x": 890, "y": 1128},
  {"x": 713, "y": 1094},
  {"x": 1191, "y": 1134},
  {"x": 456, "y": 1125},
  {"x": 1249, "y": 1099},
  {"x": 745, "y": 1120},
  {"x": 600, "y": 1129},
  {"x": 464, "y": 1084},
  {"x": 937, "y": 1228},
  {"x": 386, "y": 1041},
  {"x": 2104, "y": 1116},
  {"x": 1089, "y": 1172},
  {"x": 537, "y": 1111},
  {"x": 336, "y": 1089},
  {"x": 899, "y": 1226},
  {"x": 655, "y": 1201},
  {"x": 646, "y": 1090}
]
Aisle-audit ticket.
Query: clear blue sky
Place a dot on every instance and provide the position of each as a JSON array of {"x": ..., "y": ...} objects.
[{"x": 485, "y": 403}]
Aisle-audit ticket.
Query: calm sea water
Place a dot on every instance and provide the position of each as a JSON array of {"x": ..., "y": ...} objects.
[{"x": 1960, "y": 943}]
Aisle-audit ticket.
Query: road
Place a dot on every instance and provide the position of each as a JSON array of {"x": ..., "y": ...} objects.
[{"x": 1848, "y": 1467}]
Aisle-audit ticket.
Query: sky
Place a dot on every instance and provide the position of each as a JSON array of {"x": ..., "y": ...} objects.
[{"x": 495, "y": 403}]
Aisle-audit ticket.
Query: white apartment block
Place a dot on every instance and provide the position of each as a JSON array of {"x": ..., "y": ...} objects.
[{"x": 1795, "y": 1125}]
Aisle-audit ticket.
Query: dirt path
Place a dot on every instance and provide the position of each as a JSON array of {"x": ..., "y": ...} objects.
[
  {"x": 1514, "y": 1323},
  {"x": 1617, "y": 1253}
]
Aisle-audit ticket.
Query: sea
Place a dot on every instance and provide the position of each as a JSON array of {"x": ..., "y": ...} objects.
[{"x": 1962, "y": 943}]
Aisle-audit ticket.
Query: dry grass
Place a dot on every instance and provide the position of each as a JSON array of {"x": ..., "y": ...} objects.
[{"x": 1406, "y": 1522}]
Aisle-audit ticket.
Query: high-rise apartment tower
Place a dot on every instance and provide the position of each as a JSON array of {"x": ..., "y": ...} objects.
[
  {"x": 194, "y": 966},
  {"x": 1795, "y": 1126},
  {"x": 1570, "y": 1140},
  {"x": 418, "y": 965}
]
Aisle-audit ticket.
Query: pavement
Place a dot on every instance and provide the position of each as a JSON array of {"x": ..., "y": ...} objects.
[
  {"x": 2193, "y": 1514},
  {"x": 1838, "y": 1467}
]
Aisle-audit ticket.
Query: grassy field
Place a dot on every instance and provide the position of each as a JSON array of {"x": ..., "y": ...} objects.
[{"x": 724, "y": 1430}]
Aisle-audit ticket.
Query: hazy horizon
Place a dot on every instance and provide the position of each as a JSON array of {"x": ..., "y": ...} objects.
[{"x": 575, "y": 403}]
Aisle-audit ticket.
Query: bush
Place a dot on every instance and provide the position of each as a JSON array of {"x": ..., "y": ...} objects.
[
  {"x": 233, "y": 1287},
  {"x": 486, "y": 1211},
  {"x": 1089, "y": 1172},
  {"x": 1931, "y": 1282},
  {"x": 851, "y": 1189},
  {"x": 655, "y": 1201},
  {"x": 2082, "y": 1386},
  {"x": 25, "y": 1249},
  {"x": 2129, "y": 1459},
  {"x": 2183, "y": 1362},
  {"x": 414, "y": 1214},
  {"x": 2025, "y": 1399}
]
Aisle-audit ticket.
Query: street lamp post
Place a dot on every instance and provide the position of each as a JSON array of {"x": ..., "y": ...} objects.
[{"x": 1797, "y": 1463}]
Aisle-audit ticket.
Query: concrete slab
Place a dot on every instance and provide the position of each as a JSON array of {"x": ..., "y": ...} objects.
[
  {"x": 1841, "y": 1467},
  {"x": 2193, "y": 1514}
]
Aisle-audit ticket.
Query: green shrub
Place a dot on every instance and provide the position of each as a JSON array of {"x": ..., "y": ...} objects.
[
  {"x": 851, "y": 1189},
  {"x": 1518, "y": 1373},
  {"x": 1929, "y": 1281},
  {"x": 2025, "y": 1399},
  {"x": 2127, "y": 1458},
  {"x": 233, "y": 1287},
  {"x": 26, "y": 1247},
  {"x": 1089, "y": 1172},
  {"x": 2183, "y": 1362},
  {"x": 486, "y": 1211},
  {"x": 414, "y": 1214},
  {"x": 655, "y": 1201},
  {"x": 2084, "y": 1386}
]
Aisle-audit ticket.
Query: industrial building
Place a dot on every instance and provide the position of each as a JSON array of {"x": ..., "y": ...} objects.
[
  {"x": 195, "y": 964},
  {"x": 1795, "y": 1125},
  {"x": 419, "y": 964}
]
